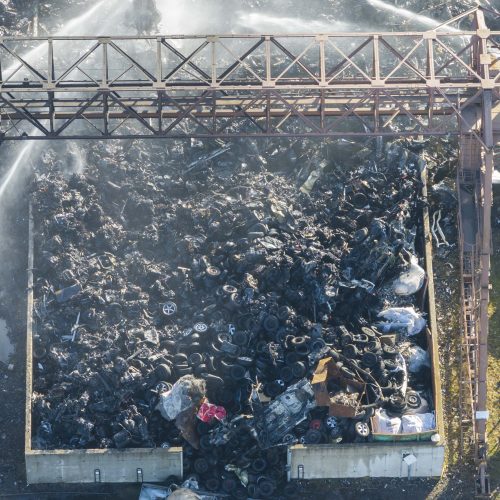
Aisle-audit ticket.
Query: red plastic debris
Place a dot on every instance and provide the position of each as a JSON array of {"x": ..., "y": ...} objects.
[{"x": 208, "y": 412}]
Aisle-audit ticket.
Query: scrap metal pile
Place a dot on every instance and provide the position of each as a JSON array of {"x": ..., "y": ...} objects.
[{"x": 229, "y": 309}]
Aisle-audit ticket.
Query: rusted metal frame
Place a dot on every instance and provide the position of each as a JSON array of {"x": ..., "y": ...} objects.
[
  {"x": 482, "y": 397},
  {"x": 105, "y": 68},
  {"x": 159, "y": 105},
  {"x": 50, "y": 95},
  {"x": 240, "y": 63},
  {"x": 496, "y": 45},
  {"x": 460, "y": 117},
  {"x": 348, "y": 58},
  {"x": 350, "y": 110},
  {"x": 236, "y": 134},
  {"x": 456, "y": 58},
  {"x": 282, "y": 121},
  {"x": 441, "y": 126},
  {"x": 401, "y": 107},
  {"x": 403, "y": 59},
  {"x": 132, "y": 61},
  {"x": 78, "y": 114},
  {"x": 159, "y": 64},
  {"x": 205, "y": 77},
  {"x": 184, "y": 111},
  {"x": 376, "y": 110},
  {"x": 105, "y": 114},
  {"x": 322, "y": 109},
  {"x": 102, "y": 136},
  {"x": 115, "y": 97},
  {"x": 235, "y": 65},
  {"x": 430, "y": 107},
  {"x": 291, "y": 111},
  {"x": 187, "y": 60},
  {"x": 376, "y": 58},
  {"x": 27, "y": 116},
  {"x": 76, "y": 64},
  {"x": 243, "y": 111},
  {"x": 268, "y": 110},
  {"x": 389, "y": 120},
  {"x": 10, "y": 120},
  {"x": 458, "y": 54},
  {"x": 350, "y": 61},
  {"x": 124, "y": 119},
  {"x": 214, "y": 109},
  {"x": 41, "y": 78},
  {"x": 117, "y": 78},
  {"x": 295, "y": 59},
  {"x": 295, "y": 111}
]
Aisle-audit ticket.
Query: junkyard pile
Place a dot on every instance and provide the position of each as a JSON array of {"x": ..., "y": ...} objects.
[{"x": 195, "y": 308}]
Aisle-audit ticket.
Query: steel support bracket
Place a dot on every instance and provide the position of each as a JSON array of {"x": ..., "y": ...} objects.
[{"x": 488, "y": 84}]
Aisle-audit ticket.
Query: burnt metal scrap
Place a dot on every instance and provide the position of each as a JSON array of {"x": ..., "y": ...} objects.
[{"x": 157, "y": 293}]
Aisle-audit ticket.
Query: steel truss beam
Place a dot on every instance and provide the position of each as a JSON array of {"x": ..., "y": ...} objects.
[{"x": 410, "y": 83}]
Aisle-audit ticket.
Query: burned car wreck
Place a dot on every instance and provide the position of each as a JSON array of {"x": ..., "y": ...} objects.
[{"x": 232, "y": 309}]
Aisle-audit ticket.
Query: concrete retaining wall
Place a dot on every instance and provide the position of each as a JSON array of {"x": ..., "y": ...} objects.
[{"x": 364, "y": 460}]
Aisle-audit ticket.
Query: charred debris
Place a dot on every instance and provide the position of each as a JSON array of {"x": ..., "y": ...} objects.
[{"x": 230, "y": 304}]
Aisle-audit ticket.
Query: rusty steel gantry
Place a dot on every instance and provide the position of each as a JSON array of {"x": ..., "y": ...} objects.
[{"x": 441, "y": 82}]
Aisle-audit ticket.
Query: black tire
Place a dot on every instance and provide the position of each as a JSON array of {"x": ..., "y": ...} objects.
[
  {"x": 195, "y": 359},
  {"x": 212, "y": 484},
  {"x": 313, "y": 436},
  {"x": 205, "y": 443},
  {"x": 266, "y": 488},
  {"x": 201, "y": 466},
  {"x": 229, "y": 289},
  {"x": 229, "y": 485},
  {"x": 252, "y": 490},
  {"x": 286, "y": 374},
  {"x": 317, "y": 344},
  {"x": 298, "y": 369},
  {"x": 240, "y": 339},
  {"x": 291, "y": 358},
  {"x": 172, "y": 480},
  {"x": 244, "y": 361},
  {"x": 298, "y": 341},
  {"x": 259, "y": 465},
  {"x": 369, "y": 359},
  {"x": 163, "y": 372},
  {"x": 413, "y": 400},
  {"x": 180, "y": 358},
  {"x": 284, "y": 312},
  {"x": 271, "y": 323},
  {"x": 183, "y": 370},
  {"x": 200, "y": 370},
  {"x": 389, "y": 351},
  {"x": 345, "y": 339},
  {"x": 237, "y": 372},
  {"x": 350, "y": 351},
  {"x": 368, "y": 332}
]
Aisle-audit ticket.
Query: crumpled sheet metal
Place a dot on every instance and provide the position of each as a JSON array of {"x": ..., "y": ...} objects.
[{"x": 275, "y": 419}]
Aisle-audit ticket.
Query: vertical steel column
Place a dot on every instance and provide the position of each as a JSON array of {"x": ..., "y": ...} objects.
[
  {"x": 50, "y": 83},
  {"x": 481, "y": 412}
]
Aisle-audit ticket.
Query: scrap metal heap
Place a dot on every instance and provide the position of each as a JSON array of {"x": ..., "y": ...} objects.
[{"x": 229, "y": 310}]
